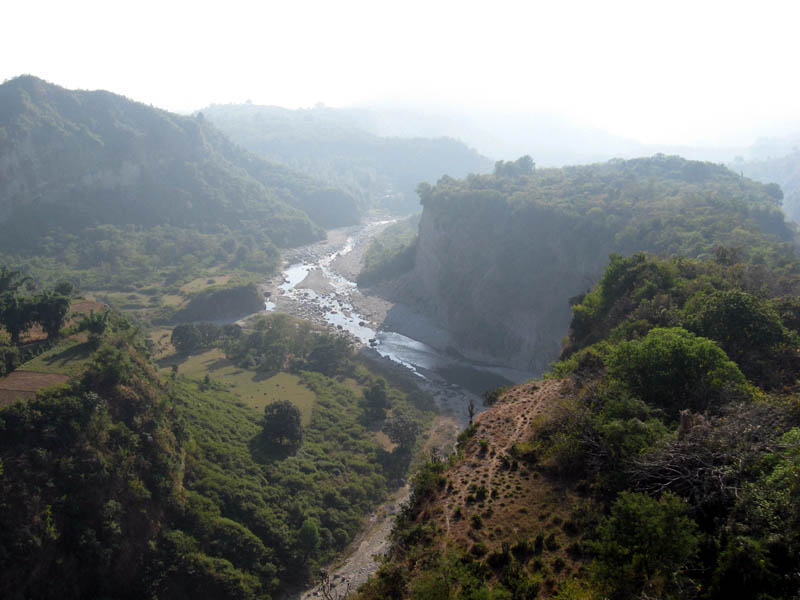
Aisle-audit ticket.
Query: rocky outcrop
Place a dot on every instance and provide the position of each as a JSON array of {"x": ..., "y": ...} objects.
[{"x": 216, "y": 304}]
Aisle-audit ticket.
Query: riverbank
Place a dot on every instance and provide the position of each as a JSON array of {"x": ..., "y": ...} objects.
[{"x": 318, "y": 283}]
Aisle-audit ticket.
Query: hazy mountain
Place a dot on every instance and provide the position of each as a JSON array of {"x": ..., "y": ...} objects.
[
  {"x": 775, "y": 160},
  {"x": 341, "y": 146},
  {"x": 551, "y": 139}
]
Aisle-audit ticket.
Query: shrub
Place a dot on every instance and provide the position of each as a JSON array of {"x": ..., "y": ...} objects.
[
  {"x": 643, "y": 546},
  {"x": 674, "y": 369}
]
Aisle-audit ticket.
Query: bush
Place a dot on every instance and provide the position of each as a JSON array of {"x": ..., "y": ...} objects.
[
  {"x": 643, "y": 546},
  {"x": 674, "y": 369}
]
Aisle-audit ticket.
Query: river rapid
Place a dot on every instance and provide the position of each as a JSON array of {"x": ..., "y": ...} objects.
[{"x": 317, "y": 283}]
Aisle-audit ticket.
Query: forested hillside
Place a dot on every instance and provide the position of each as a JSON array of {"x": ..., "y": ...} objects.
[
  {"x": 121, "y": 483},
  {"x": 335, "y": 145},
  {"x": 497, "y": 255},
  {"x": 660, "y": 458},
  {"x": 74, "y": 160}
]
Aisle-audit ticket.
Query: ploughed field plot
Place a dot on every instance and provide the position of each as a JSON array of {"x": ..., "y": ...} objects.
[
  {"x": 23, "y": 385},
  {"x": 253, "y": 388}
]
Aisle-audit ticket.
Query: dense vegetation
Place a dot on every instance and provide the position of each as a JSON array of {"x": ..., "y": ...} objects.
[
  {"x": 110, "y": 193},
  {"x": 497, "y": 254},
  {"x": 391, "y": 253},
  {"x": 677, "y": 445},
  {"x": 21, "y": 309},
  {"x": 81, "y": 159},
  {"x": 330, "y": 143},
  {"x": 121, "y": 484}
]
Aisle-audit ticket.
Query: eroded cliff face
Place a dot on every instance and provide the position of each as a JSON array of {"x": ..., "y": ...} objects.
[{"x": 499, "y": 280}]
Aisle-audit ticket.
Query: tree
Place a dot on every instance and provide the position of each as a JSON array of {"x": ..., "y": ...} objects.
[
  {"x": 673, "y": 369},
  {"x": 309, "y": 537},
  {"x": 376, "y": 401},
  {"x": 50, "y": 310},
  {"x": 402, "y": 430},
  {"x": 17, "y": 314},
  {"x": 186, "y": 338},
  {"x": 740, "y": 322},
  {"x": 64, "y": 288},
  {"x": 330, "y": 354},
  {"x": 520, "y": 167},
  {"x": 12, "y": 279},
  {"x": 282, "y": 424},
  {"x": 643, "y": 546}
]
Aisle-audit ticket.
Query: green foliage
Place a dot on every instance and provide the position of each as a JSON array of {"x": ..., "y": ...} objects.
[
  {"x": 675, "y": 370},
  {"x": 191, "y": 337},
  {"x": 278, "y": 341},
  {"x": 523, "y": 166},
  {"x": 180, "y": 171},
  {"x": 309, "y": 537},
  {"x": 546, "y": 236},
  {"x": 18, "y": 312},
  {"x": 282, "y": 425},
  {"x": 51, "y": 311},
  {"x": 376, "y": 401},
  {"x": 727, "y": 457},
  {"x": 120, "y": 485},
  {"x": 644, "y": 547},
  {"x": 391, "y": 253},
  {"x": 88, "y": 474},
  {"x": 748, "y": 328}
]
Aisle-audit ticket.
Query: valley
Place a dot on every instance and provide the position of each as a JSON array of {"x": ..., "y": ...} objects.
[{"x": 236, "y": 363}]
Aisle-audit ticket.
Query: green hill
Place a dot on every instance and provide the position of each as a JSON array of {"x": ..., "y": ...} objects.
[
  {"x": 123, "y": 484},
  {"x": 498, "y": 255},
  {"x": 75, "y": 159},
  {"x": 783, "y": 171}
]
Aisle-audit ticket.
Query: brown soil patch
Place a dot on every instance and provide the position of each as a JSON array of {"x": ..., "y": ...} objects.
[
  {"x": 76, "y": 309},
  {"x": 23, "y": 385},
  {"x": 490, "y": 471},
  {"x": 494, "y": 496}
]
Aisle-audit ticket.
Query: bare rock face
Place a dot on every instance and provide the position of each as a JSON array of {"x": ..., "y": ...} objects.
[{"x": 502, "y": 301}]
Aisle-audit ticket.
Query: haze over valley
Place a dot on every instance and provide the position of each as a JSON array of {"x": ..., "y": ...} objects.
[{"x": 432, "y": 301}]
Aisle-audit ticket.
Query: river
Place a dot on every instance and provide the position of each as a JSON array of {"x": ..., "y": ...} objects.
[{"x": 317, "y": 283}]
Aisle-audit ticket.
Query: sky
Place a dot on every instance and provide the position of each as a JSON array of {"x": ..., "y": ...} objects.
[{"x": 671, "y": 72}]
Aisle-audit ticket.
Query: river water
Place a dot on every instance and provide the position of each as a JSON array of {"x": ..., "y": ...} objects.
[
  {"x": 313, "y": 283},
  {"x": 312, "y": 286}
]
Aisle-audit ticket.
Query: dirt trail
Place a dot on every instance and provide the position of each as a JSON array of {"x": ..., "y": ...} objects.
[
  {"x": 360, "y": 561},
  {"x": 509, "y": 422}
]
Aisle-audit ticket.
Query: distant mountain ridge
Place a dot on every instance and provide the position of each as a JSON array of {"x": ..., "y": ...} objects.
[
  {"x": 70, "y": 159},
  {"x": 775, "y": 160},
  {"x": 341, "y": 146}
]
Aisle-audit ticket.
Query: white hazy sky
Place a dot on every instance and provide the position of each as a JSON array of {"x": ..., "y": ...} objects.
[{"x": 665, "y": 71}]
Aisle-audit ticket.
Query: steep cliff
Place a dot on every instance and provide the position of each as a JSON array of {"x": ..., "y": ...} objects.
[{"x": 499, "y": 256}]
